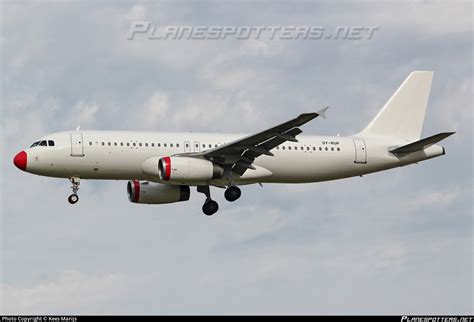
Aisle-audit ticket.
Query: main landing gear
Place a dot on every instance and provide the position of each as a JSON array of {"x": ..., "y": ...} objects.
[
  {"x": 210, "y": 207},
  {"x": 75, "y": 188},
  {"x": 232, "y": 193}
]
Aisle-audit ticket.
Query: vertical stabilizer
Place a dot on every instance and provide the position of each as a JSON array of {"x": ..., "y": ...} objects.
[{"x": 403, "y": 114}]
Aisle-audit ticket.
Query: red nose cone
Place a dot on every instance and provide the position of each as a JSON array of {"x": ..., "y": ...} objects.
[{"x": 20, "y": 160}]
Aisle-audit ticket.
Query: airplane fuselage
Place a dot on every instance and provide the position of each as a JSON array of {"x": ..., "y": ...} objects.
[{"x": 120, "y": 155}]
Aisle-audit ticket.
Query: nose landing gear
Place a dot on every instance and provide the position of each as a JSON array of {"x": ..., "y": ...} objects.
[
  {"x": 75, "y": 188},
  {"x": 73, "y": 198}
]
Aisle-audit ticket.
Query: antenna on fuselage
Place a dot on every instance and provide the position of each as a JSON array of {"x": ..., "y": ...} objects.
[{"x": 78, "y": 127}]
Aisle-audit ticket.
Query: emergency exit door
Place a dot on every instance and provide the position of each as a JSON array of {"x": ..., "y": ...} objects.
[
  {"x": 187, "y": 146},
  {"x": 197, "y": 146}
]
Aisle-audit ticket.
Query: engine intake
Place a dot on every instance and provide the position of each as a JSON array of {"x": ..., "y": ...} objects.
[{"x": 156, "y": 193}]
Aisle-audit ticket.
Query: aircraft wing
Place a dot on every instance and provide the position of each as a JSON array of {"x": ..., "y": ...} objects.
[{"x": 240, "y": 154}]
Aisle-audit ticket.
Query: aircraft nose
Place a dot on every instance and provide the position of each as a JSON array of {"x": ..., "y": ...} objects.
[{"x": 20, "y": 160}]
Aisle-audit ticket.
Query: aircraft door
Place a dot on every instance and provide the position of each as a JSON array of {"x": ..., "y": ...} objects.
[
  {"x": 187, "y": 146},
  {"x": 77, "y": 146},
  {"x": 196, "y": 146},
  {"x": 360, "y": 151}
]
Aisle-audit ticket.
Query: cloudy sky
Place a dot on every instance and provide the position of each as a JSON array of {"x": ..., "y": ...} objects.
[{"x": 393, "y": 242}]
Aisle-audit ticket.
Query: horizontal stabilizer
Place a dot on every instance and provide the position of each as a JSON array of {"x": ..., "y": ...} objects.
[{"x": 422, "y": 144}]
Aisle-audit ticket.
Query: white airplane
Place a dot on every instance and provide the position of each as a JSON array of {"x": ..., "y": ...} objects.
[{"x": 162, "y": 166}]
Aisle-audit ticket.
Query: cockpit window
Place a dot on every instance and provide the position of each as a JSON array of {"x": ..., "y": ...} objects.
[{"x": 43, "y": 143}]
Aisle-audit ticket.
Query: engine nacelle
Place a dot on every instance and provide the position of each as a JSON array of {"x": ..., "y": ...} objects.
[
  {"x": 156, "y": 193},
  {"x": 184, "y": 169}
]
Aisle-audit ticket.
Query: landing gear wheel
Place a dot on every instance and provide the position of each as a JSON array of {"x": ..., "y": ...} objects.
[
  {"x": 210, "y": 207},
  {"x": 232, "y": 193},
  {"x": 73, "y": 199}
]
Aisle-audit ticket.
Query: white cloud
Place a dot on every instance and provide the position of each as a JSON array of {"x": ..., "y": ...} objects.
[
  {"x": 201, "y": 110},
  {"x": 155, "y": 109},
  {"x": 71, "y": 291},
  {"x": 454, "y": 114},
  {"x": 435, "y": 198},
  {"x": 418, "y": 17},
  {"x": 83, "y": 114},
  {"x": 231, "y": 80},
  {"x": 137, "y": 13},
  {"x": 261, "y": 48}
]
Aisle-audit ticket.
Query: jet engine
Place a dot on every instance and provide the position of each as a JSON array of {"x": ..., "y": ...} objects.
[
  {"x": 182, "y": 169},
  {"x": 156, "y": 193}
]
